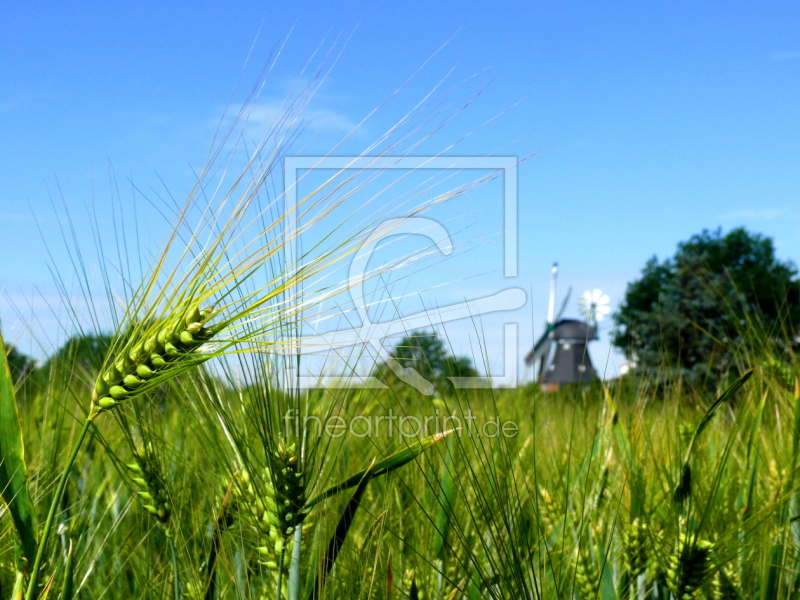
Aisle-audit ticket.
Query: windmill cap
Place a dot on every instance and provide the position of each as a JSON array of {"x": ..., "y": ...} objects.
[{"x": 572, "y": 329}]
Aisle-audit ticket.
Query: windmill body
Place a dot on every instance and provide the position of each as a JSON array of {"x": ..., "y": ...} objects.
[{"x": 570, "y": 358}]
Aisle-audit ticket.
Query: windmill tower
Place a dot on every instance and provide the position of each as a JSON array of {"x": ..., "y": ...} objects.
[{"x": 561, "y": 351}]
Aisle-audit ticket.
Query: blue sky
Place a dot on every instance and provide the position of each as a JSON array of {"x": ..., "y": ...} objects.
[{"x": 649, "y": 121}]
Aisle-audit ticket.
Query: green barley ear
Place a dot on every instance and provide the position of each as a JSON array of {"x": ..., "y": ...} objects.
[
  {"x": 152, "y": 489},
  {"x": 252, "y": 513},
  {"x": 689, "y": 567},
  {"x": 410, "y": 586},
  {"x": 635, "y": 555},
  {"x": 685, "y": 433},
  {"x": 634, "y": 547},
  {"x": 288, "y": 481},
  {"x": 549, "y": 511},
  {"x": 723, "y": 586},
  {"x": 152, "y": 357},
  {"x": 602, "y": 487},
  {"x": 587, "y": 576},
  {"x": 262, "y": 510}
]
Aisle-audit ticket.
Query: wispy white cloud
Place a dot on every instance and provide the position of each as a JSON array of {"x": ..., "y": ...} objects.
[
  {"x": 784, "y": 56},
  {"x": 766, "y": 214},
  {"x": 263, "y": 116}
]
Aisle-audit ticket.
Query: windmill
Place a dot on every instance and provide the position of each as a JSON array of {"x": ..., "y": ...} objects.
[{"x": 561, "y": 349}]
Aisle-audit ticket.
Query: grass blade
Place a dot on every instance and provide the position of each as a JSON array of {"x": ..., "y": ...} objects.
[
  {"x": 13, "y": 472},
  {"x": 445, "y": 507},
  {"x": 726, "y": 396},
  {"x": 389, "y": 578},
  {"x": 340, "y": 534},
  {"x": 684, "y": 488},
  {"x": 752, "y": 459},
  {"x": 19, "y": 586},
  {"x": 68, "y": 583},
  {"x": 224, "y": 520},
  {"x": 48, "y": 587},
  {"x": 388, "y": 464}
]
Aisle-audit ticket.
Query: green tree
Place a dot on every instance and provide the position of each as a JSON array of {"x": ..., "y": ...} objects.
[
  {"x": 20, "y": 365},
  {"x": 425, "y": 352},
  {"x": 689, "y": 313},
  {"x": 81, "y": 353}
]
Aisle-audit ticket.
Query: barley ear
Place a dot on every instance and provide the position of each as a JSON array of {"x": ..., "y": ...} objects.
[
  {"x": 689, "y": 567},
  {"x": 634, "y": 547},
  {"x": 151, "y": 487},
  {"x": 151, "y": 358},
  {"x": 587, "y": 577}
]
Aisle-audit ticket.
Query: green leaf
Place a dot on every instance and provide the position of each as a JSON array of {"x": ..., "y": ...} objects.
[
  {"x": 684, "y": 487},
  {"x": 48, "y": 587},
  {"x": 339, "y": 536},
  {"x": 19, "y": 586},
  {"x": 13, "y": 473},
  {"x": 752, "y": 460},
  {"x": 388, "y": 464},
  {"x": 726, "y": 396},
  {"x": 445, "y": 505},
  {"x": 68, "y": 583},
  {"x": 776, "y": 569},
  {"x": 224, "y": 520}
]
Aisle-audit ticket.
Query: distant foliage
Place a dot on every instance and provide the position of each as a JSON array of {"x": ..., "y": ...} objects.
[
  {"x": 425, "y": 352},
  {"x": 80, "y": 353},
  {"x": 690, "y": 312},
  {"x": 20, "y": 365}
]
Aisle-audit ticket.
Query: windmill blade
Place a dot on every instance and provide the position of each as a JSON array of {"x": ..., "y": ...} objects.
[
  {"x": 541, "y": 345},
  {"x": 563, "y": 305},
  {"x": 545, "y": 358},
  {"x": 602, "y": 312}
]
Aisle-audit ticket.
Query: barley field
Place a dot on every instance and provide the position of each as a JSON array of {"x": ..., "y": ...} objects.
[
  {"x": 178, "y": 462},
  {"x": 205, "y": 488}
]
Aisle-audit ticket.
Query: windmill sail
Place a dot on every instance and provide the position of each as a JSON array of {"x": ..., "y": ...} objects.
[
  {"x": 541, "y": 349},
  {"x": 551, "y": 305}
]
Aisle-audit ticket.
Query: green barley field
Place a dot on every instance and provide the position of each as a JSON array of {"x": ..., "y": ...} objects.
[
  {"x": 199, "y": 490},
  {"x": 177, "y": 461}
]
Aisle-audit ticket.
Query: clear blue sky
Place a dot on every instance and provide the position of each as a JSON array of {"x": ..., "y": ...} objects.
[{"x": 652, "y": 121}]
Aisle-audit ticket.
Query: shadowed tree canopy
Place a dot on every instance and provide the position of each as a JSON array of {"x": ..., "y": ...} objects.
[
  {"x": 81, "y": 352},
  {"x": 688, "y": 313},
  {"x": 20, "y": 365},
  {"x": 425, "y": 352}
]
